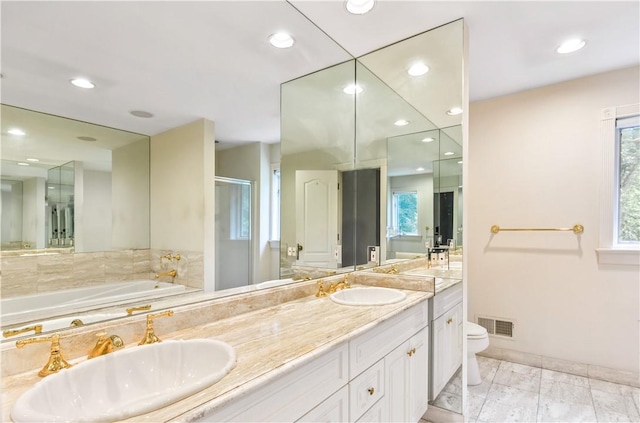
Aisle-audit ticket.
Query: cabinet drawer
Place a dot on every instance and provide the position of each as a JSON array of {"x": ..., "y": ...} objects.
[
  {"x": 365, "y": 390},
  {"x": 446, "y": 299},
  {"x": 376, "y": 414},
  {"x": 332, "y": 410},
  {"x": 290, "y": 396},
  {"x": 371, "y": 346}
]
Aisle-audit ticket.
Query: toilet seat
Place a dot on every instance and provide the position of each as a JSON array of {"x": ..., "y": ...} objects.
[{"x": 475, "y": 331}]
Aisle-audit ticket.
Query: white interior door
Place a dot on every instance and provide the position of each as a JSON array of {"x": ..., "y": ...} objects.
[{"x": 317, "y": 217}]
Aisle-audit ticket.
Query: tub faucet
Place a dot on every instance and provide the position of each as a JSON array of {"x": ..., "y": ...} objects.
[
  {"x": 105, "y": 345},
  {"x": 173, "y": 273}
]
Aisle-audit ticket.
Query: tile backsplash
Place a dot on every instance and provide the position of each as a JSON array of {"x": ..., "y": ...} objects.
[{"x": 30, "y": 274}]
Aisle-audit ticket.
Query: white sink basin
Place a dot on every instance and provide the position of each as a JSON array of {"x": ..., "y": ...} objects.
[
  {"x": 126, "y": 383},
  {"x": 368, "y": 296}
]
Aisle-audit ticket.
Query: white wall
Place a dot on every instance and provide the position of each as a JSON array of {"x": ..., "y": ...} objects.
[
  {"x": 97, "y": 211},
  {"x": 534, "y": 161},
  {"x": 12, "y": 210}
]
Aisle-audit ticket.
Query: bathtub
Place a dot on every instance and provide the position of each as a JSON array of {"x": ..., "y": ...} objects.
[{"x": 47, "y": 304}]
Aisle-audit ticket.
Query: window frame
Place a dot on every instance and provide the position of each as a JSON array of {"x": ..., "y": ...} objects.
[
  {"x": 609, "y": 251},
  {"x": 394, "y": 211}
]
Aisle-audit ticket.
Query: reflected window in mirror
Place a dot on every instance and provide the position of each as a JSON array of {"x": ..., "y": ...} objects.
[
  {"x": 275, "y": 203},
  {"x": 405, "y": 212}
]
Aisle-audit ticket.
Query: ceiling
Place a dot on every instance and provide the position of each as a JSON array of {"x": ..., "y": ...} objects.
[{"x": 183, "y": 61}]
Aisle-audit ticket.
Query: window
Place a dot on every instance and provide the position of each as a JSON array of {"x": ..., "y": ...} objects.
[
  {"x": 405, "y": 212},
  {"x": 619, "y": 242},
  {"x": 628, "y": 178},
  {"x": 240, "y": 201},
  {"x": 275, "y": 202}
]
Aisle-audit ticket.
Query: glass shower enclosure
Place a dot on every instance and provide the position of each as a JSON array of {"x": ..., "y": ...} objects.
[{"x": 234, "y": 233}]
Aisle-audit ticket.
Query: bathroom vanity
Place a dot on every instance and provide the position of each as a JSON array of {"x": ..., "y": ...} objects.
[{"x": 308, "y": 359}]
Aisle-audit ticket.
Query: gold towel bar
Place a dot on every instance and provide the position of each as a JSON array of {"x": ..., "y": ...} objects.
[{"x": 576, "y": 229}]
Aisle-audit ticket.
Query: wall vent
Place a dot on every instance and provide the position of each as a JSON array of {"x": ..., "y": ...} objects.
[{"x": 497, "y": 326}]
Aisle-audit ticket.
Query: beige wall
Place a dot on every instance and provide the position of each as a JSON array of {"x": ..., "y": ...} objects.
[
  {"x": 182, "y": 211},
  {"x": 534, "y": 161},
  {"x": 130, "y": 187}
]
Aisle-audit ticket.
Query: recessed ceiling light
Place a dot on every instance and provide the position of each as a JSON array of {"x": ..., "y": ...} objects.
[
  {"x": 16, "y": 131},
  {"x": 359, "y": 7},
  {"x": 460, "y": 162},
  {"x": 281, "y": 40},
  {"x": 420, "y": 169},
  {"x": 352, "y": 89},
  {"x": 50, "y": 187},
  {"x": 418, "y": 69},
  {"x": 82, "y": 83},
  {"x": 23, "y": 164},
  {"x": 428, "y": 139},
  {"x": 454, "y": 111},
  {"x": 32, "y": 160},
  {"x": 141, "y": 114},
  {"x": 401, "y": 122},
  {"x": 570, "y": 46},
  {"x": 87, "y": 139},
  {"x": 449, "y": 153}
]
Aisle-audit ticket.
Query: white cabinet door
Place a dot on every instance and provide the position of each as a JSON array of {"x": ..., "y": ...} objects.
[
  {"x": 419, "y": 375},
  {"x": 447, "y": 331},
  {"x": 407, "y": 379}
]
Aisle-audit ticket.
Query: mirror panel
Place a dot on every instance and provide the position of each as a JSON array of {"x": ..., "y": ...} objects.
[
  {"x": 97, "y": 183},
  {"x": 317, "y": 127}
]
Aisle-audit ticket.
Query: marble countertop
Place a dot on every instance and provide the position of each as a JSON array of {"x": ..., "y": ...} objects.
[{"x": 268, "y": 342}]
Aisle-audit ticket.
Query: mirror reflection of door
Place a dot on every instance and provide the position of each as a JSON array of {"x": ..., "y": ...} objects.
[
  {"x": 443, "y": 218},
  {"x": 317, "y": 218}
]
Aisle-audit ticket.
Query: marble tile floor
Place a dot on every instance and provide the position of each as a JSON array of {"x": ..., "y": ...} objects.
[{"x": 512, "y": 392}]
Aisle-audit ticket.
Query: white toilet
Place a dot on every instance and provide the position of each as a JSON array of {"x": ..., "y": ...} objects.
[{"x": 477, "y": 340}]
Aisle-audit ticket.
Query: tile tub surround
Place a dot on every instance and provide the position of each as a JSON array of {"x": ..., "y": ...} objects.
[
  {"x": 22, "y": 275},
  {"x": 269, "y": 340}
]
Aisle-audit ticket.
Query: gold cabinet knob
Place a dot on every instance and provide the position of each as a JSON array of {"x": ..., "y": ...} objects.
[
  {"x": 411, "y": 352},
  {"x": 450, "y": 320},
  {"x": 371, "y": 391}
]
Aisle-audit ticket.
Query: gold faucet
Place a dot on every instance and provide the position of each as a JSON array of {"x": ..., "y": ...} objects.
[
  {"x": 149, "y": 336},
  {"x": 173, "y": 273},
  {"x": 56, "y": 361},
  {"x": 13, "y": 332},
  {"x": 321, "y": 292},
  {"x": 106, "y": 345},
  {"x": 393, "y": 270},
  {"x": 171, "y": 257},
  {"x": 131, "y": 310},
  {"x": 344, "y": 284}
]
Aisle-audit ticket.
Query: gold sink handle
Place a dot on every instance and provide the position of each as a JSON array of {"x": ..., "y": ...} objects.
[
  {"x": 56, "y": 361},
  {"x": 37, "y": 329},
  {"x": 149, "y": 336},
  {"x": 131, "y": 310},
  {"x": 106, "y": 345}
]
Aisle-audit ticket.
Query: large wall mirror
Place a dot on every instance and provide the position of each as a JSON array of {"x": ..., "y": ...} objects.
[
  {"x": 372, "y": 157},
  {"x": 71, "y": 185},
  {"x": 371, "y": 163}
]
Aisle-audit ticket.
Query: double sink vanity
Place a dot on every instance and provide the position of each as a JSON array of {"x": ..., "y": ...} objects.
[{"x": 291, "y": 353}]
